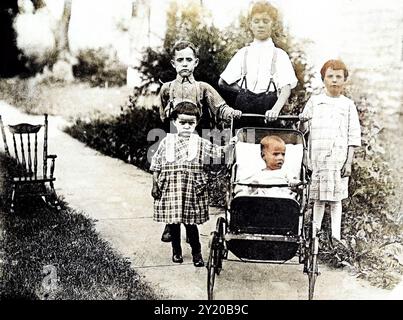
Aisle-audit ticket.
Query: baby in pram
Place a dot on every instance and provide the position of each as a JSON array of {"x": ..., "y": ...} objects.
[{"x": 272, "y": 151}]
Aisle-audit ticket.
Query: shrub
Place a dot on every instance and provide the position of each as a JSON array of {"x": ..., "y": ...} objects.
[{"x": 100, "y": 66}]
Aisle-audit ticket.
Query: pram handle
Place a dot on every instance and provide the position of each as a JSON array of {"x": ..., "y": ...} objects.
[
  {"x": 284, "y": 117},
  {"x": 284, "y": 185}
]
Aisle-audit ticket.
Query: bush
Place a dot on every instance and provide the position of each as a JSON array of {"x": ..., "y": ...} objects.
[
  {"x": 123, "y": 137},
  {"x": 100, "y": 66}
]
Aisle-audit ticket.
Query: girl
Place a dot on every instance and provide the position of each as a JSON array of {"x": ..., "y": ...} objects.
[
  {"x": 334, "y": 132},
  {"x": 179, "y": 181},
  {"x": 258, "y": 70}
]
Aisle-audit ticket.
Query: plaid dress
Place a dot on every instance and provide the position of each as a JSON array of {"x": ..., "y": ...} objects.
[
  {"x": 334, "y": 126},
  {"x": 182, "y": 180}
]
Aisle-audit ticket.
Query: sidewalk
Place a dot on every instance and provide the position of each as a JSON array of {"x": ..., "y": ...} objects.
[{"x": 117, "y": 195}]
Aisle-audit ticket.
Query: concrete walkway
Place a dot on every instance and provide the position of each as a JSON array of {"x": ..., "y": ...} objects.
[{"x": 117, "y": 196}]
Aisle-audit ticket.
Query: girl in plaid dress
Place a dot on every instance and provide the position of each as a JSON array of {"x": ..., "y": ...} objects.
[
  {"x": 334, "y": 133},
  {"x": 179, "y": 181}
]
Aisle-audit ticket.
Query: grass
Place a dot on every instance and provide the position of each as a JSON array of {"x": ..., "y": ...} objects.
[{"x": 50, "y": 254}]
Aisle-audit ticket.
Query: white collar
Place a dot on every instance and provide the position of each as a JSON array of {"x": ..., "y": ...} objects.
[{"x": 265, "y": 43}]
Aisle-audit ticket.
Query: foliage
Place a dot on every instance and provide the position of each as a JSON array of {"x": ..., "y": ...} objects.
[
  {"x": 100, "y": 66},
  {"x": 123, "y": 137},
  {"x": 87, "y": 268},
  {"x": 370, "y": 226}
]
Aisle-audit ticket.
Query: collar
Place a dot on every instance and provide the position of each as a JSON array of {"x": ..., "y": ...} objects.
[
  {"x": 265, "y": 43},
  {"x": 181, "y": 79}
]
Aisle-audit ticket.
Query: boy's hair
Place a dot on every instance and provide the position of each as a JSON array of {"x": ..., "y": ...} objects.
[
  {"x": 183, "y": 44},
  {"x": 186, "y": 107},
  {"x": 268, "y": 140},
  {"x": 335, "y": 65},
  {"x": 263, "y": 7}
]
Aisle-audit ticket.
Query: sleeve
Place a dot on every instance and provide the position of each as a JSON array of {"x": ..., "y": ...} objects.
[
  {"x": 354, "y": 129},
  {"x": 164, "y": 100},
  {"x": 308, "y": 109},
  {"x": 215, "y": 102},
  {"x": 233, "y": 70},
  {"x": 156, "y": 160},
  {"x": 211, "y": 151},
  {"x": 285, "y": 74}
]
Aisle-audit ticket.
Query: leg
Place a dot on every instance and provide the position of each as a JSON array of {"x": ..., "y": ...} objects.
[
  {"x": 53, "y": 197},
  {"x": 175, "y": 229},
  {"x": 193, "y": 235},
  {"x": 335, "y": 214},
  {"x": 318, "y": 212}
]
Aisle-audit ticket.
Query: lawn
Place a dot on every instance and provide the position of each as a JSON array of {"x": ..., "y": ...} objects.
[{"x": 51, "y": 254}]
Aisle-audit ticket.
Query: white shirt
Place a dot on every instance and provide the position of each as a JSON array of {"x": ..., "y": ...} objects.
[{"x": 258, "y": 65}]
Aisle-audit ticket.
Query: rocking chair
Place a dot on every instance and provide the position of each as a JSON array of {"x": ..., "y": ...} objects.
[{"x": 28, "y": 180}]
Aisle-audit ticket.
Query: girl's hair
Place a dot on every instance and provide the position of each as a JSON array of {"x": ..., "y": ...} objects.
[
  {"x": 268, "y": 140},
  {"x": 263, "y": 7},
  {"x": 186, "y": 107},
  {"x": 183, "y": 44},
  {"x": 335, "y": 65}
]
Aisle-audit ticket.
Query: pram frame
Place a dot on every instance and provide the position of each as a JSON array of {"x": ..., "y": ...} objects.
[{"x": 306, "y": 237}]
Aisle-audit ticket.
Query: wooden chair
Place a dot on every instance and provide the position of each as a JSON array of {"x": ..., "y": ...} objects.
[{"x": 29, "y": 180}]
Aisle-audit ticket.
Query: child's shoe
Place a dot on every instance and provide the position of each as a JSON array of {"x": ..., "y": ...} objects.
[
  {"x": 177, "y": 255},
  {"x": 177, "y": 258},
  {"x": 198, "y": 260}
]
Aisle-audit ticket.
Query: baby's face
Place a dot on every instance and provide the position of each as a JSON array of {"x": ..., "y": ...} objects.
[
  {"x": 184, "y": 62},
  {"x": 334, "y": 82},
  {"x": 261, "y": 25},
  {"x": 274, "y": 155}
]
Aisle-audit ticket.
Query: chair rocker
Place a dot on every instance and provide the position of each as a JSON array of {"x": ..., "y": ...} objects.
[{"x": 28, "y": 180}]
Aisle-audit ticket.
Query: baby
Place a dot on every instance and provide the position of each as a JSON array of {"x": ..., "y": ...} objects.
[{"x": 273, "y": 153}]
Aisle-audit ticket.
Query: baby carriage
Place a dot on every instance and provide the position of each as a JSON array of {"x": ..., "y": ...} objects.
[{"x": 261, "y": 228}]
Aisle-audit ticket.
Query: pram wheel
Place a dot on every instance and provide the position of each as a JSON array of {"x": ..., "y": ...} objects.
[
  {"x": 217, "y": 254},
  {"x": 212, "y": 264},
  {"x": 311, "y": 262}
]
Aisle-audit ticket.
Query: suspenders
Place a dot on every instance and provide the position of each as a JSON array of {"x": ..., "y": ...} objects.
[{"x": 272, "y": 70}]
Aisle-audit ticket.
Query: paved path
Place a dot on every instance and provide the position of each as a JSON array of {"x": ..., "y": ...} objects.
[{"x": 117, "y": 195}]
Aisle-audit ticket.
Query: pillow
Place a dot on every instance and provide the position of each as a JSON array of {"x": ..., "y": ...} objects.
[
  {"x": 293, "y": 160},
  {"x": 250, "y": 162},
  {"x": 248, "y": 159}
]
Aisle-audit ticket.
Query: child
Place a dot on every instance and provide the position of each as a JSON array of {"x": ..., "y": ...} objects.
[
  {"x": 261, "y": 67},
  {"x": 334, "y": 132},
  {"x": 185, "y": 87},
  {"x": 273, "y": 150},
  {"x": 179, "y": 182}
]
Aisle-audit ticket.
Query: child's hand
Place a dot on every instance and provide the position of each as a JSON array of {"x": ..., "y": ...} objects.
[
  {"x": 346, "y": 170},
  {"x": 294, "y": 182},
  {"x": 271, "y": 115},
  {"x": 233, "y": 141},
  {"x": 237, "y": 114},
  {"x": 156, "y": 192},
  {"x": 304, "y": 117}
]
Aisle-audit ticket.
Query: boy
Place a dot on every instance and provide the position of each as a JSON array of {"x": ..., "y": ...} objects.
[
  {"x": 259, "y": 66},
  {"x": 185, "y": 87}
]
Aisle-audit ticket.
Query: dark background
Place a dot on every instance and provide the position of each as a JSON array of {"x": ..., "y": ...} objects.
[{"x": 11, "y": 59}]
